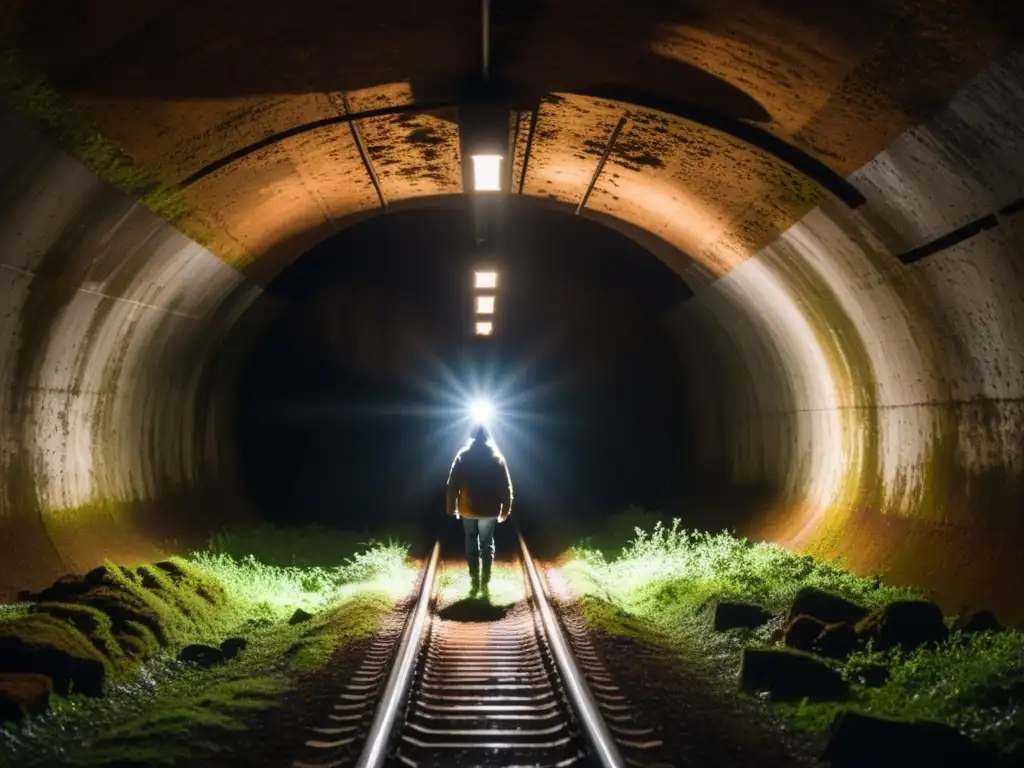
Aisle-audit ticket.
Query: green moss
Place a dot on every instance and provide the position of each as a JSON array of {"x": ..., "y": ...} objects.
[
  {"x": 93, "y": 624},
  {"x": 659, "y": 591},
  {"x": 29, "y": 93},
  {"x": 41, "y": 629},
  {"x": 175, "y": 713},
  {"x": 339, "y": 626}
]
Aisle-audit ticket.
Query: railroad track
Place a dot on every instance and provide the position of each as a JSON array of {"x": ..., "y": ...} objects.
[{"x": 508, "y": 692}]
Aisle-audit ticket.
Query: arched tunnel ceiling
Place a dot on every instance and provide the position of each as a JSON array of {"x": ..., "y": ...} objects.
[{"x": 180, "y": 85}]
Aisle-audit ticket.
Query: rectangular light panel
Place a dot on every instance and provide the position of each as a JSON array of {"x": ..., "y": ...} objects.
[
  {"x": 487, "y": 173},
  {"x": 485, "y": 305},
  {"x": 486, "y": 280},
  {"x": 484, "y": 328}
]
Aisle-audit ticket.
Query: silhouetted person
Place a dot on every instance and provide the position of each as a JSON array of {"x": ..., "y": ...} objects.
[{"x": 479, "y": 492}]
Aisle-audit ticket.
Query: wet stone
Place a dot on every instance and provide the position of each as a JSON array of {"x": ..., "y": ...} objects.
[
  {"x": 790, "y": 676},
  {"x": 233, "y": 646},
  {"x": 203, "y": 655}
]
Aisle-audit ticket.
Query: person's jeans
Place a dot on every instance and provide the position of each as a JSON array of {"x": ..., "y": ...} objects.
[{"x": 479, "y": 543}]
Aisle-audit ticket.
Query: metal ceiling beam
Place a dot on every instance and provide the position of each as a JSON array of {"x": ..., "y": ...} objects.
[
  {"x": 529, "y": 145},
  {"x": 600, "y": 163},
  {"x": 357, "y": 137}
]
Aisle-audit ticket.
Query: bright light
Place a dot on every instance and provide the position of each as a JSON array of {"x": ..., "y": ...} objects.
[
  {"x": 487, "y": 173},
  {"x": 485, "y": 305},
  {"x": 486, "y": 280},
  {"x": 481, "y": 410},
  {"x": 484, "y": 328}
]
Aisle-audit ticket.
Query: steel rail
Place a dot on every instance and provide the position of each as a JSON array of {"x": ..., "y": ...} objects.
[
  {"x": 400, "y": 678},
  {"x": 601, "y": 741}
]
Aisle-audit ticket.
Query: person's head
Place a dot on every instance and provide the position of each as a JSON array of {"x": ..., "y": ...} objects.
[{"x": 480, "y": 434}]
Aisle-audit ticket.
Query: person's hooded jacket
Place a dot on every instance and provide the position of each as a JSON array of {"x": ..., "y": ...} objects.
[{"x": 479, "y": 485}]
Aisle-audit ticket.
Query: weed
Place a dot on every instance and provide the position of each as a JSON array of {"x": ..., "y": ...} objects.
[
  {"x": 167, "y": 712},
  {"x": 662, "y": 581}
]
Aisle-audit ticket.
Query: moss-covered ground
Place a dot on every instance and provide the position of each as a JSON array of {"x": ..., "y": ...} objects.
[
  {"x": 161, "y": 711},
  {"x": 661, "y": 581}
]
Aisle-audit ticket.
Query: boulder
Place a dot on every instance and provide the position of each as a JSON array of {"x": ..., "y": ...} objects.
[
  {"x": 203, "y": 655},
  {"x": 906, "y": 624},
  {"x": 837, "y": 641},
  {"x": 856, "y": 740},
  {"x": 802, "y": 633},
  {"x": 825, "y": 607},
  {"x": 70, "y": 669},
  {"x": 300, "y": 616},
  {"x": 730, "y": 615},
  {"x": 233, "y": 646},
  {"x": 23, "y": 694},
  {"x": 977, "y": 621},
  {"x": 790, "y": 675}
]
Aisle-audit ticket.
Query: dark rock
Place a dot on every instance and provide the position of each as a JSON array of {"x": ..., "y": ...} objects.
[
  {"x": 203, "y": 655},
  {"x": 802, "y": 633},
  {"x": 23, "y": 694},
  {"x": 837, "y": 641},
  {"x": 790, "y": 675},
  {"x": 729, "y": 615},
  {"x": 825, "y": 607},
  {"x": 872, "y": 675},
  {"x": 233, "y": 646},
  {"x": 906, "y": 624},
  {"x": 69, "y": 671},
  {"x": 977, "y": 621},
  {"x": 300, "y": 616},
  {"x": 856, "y": 741}
]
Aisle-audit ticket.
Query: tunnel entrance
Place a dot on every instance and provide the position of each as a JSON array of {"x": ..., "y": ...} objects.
[{"x": 349, "y": 411}]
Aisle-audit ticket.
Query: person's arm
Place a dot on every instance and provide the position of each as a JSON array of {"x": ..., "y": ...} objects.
[
  {"x": 451, "y": 490},
  {"x": 506, "y": 493}
]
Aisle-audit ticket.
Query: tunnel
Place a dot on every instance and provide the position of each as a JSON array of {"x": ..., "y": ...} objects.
[{"x": 765, "y": 254}]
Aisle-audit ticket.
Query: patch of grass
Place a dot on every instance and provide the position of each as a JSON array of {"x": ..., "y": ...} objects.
[
  {"x": 13, "y": 611},
  {"x": 32, "y": 95},
  {"x": 169, "y": 712},
  {"x": 662, "y": 584}
]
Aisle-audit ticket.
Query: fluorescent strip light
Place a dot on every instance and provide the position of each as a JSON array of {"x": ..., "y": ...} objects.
[
  {"x": 486, "y": 280},
  {"x": 487, "y": 173}
]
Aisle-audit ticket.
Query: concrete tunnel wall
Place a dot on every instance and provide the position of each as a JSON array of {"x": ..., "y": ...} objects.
[
  {"x": 881, "y": 402},
  {"x": 119, "y": 340}
]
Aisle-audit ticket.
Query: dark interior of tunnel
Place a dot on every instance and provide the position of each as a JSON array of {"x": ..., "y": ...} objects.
[{"x": 352, "y": 406}]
